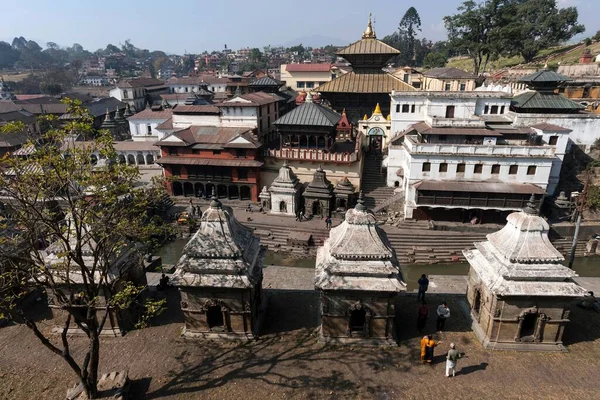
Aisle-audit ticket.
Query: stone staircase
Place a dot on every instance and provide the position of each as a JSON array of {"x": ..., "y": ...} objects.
[{"x": 373, "y": 181}]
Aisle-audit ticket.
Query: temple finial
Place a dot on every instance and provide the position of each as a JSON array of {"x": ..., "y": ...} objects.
[
  {"x": 214, "y": 201},
  {"x": 531, "y": 207},
  {"x": 360, "y": 203},
  {"x": 369, "y": 32},
  {"x": 377, "y": 109}
]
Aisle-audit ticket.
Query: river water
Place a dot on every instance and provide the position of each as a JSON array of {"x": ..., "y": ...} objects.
[{"x": 584, "y": 266}]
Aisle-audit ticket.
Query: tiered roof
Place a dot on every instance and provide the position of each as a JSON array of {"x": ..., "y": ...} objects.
[
  {"x": 309, "y": 114},
  {"x": 358, "y": 256},
  {"x": 319, "y": 187},
  {"x": 222, "y": 254},
  {"x": 286, "y": 181},
  {"x": 344, "y": 187},
  {"x": 520, "y": 260}
]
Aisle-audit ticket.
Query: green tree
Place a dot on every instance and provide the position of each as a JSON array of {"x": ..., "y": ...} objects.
[
  {"x": 93, "y": 215},
  {"x": 410, "y": 24},
  {"x": 8, "y": 55},
  {"x": 539, "y": 24}
]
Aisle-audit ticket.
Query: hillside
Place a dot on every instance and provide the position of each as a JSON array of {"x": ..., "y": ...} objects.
[{"x": 568, "y": 54}]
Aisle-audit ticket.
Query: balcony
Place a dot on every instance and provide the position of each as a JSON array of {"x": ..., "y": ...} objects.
[
  {"x": 478, "y": 150},
  {"x": 312, "y": 155},
  {"x": 439, "y": 122}
]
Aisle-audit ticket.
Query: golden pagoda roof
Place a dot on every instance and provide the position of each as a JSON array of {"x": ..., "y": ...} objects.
[
  {"x": 368, "y": 46},
  {"x": 371, "y": 81}
]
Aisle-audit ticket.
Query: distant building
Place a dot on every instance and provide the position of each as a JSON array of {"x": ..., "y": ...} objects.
[
  {"x": 448, "y": 79},
  {"x": 139, "y": 91},
  {"x": 306, "y": 76},
  {"x": 92, "y": 80}
]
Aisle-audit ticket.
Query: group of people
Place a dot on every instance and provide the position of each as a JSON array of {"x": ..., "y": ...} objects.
[
  {"x": 300, "y": 215},
  {"x": 428, "y": 344}
]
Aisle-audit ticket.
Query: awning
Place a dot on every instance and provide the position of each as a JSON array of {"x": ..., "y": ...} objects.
[
  {"x": 175, "y": 160},
  {"x": 485, "y": 187}
]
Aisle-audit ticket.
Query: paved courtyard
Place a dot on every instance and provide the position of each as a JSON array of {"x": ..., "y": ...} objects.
[{"x": 288, "y": 362}]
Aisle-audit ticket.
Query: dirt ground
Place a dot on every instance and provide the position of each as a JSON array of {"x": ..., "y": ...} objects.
[{"x": 288, "y": 362}]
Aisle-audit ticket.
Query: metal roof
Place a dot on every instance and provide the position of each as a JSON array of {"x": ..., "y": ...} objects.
[
  {"x": 544, "y": 76},
  {"x": 480, "y": 187},
  {"x": 310, "y": 114},
  {"x": 544, "y": 126},
  {"x": 449, "y": 73},
  {"x": 544, "y": 100},
  {"x": 369, "y": 81},
  {"x": 308, "y": 67},
  {"x": 368, "y": 46},
  {"x": 266, "y": 81},
  {"x": 425, "y": 129}
]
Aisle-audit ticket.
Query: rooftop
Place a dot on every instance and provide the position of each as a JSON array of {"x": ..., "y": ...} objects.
[
  {"x": 449, "y": 73},
  {"x": 308, "y": 67},
  {"x": 365, "y": 81},
  {"x": 309, "y": 114},
  {"x": 140, "y": 82}
]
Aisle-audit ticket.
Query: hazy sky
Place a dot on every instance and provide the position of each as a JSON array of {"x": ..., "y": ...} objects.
[{"x": 197, "y": 25}]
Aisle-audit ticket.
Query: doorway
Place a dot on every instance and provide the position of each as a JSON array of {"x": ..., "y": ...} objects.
[
  {"x": 214, "y": 319},
  {"x": 358, "y": 320},
  {"x": 528, "y": 327},
  {"x": 316, "y": 208}
]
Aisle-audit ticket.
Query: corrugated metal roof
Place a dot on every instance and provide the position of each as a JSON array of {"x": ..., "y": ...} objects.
[
  {"x": 310, "y": 114},
  {"x": 175, "y": 160},
  {"x": 370, "y": 81},
  {"x": 544, "y": 76},
  {"x": 544, "y": 126},
  {"x": 480, "y": 187},
  {"x": 368, "y": 46},
  {"x": 187, "y": 109},
  {"x": 544, "y": 100},
  {"x": 266, "y": 81},
  {"x": 148, "y": 113}
]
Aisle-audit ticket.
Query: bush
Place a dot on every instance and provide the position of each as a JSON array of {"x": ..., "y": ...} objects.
[{"x": 587, "y": 41}]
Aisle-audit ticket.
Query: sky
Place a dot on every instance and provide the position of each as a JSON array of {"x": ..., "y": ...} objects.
[{"x": 196, "y": 25}]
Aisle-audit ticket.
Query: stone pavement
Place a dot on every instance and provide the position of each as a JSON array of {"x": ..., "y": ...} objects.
[{"x": 288, "y": 278}]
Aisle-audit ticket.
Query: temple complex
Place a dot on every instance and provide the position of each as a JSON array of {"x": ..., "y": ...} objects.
[
  {"x": 367, "y": 84},
  {"x": 318, "y": 195},
  {"x": 284, "y": 193},
  {"x": 219, "y": 276},
  {"x": 519, "y": 290},
  {"x": 358, "y": 277}
]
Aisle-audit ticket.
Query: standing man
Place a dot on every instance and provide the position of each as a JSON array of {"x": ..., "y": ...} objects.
[
  {"x": 443, "y": 313},
  {"x": 423, "y": 286},
  {"x": 451, "y": 360}
]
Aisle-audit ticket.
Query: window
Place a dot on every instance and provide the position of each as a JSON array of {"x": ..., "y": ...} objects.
[
  {"x": 450, "y": 111},
  {"x": 442, "y": 138},
  {"x": 125, "y": 94},
  {"x": 216, "y": 152},
  {"x": 243, "y": 174},
  {"x": 405, "y": 108},
  {"x": 240, "y": 153},
  {"x": 494, "y": 110},
  {"x": 310, "y": 85},
  {"x": 460, "y": 168},
  {"x": 175, "y": 170},
  {"x": 444, "y": 167},
  {"x": 172, "y": 151},
  {"x": 463, "y": 87},
  {"x": 300, "y": 84},
  {"x": 405, "y": 78},
  {"x": 447, "y": 87},
  {"x": 502, "y": 110},
  {"x": 149, "y": 129},
  {"x": 412, "y": 109},
  {"x": 495, "y": 169},
  {"x": 426, "y": 167},
  {"x": 513, "y": 169},
  {"x": 397, "y": 108},
  {"x": 531, "y": 170},
  {"x": 478, "y": 168},
  {"x": 486, "y": 109},
  {"x": 186, "y": 89},
  {"x": 553, "y": 140}
]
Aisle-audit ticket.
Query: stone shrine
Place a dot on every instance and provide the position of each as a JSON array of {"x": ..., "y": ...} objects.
[
  {"x": 265, "y": 199},
  {"x": 344, "y": 194},
  {"x": 318, "y": 195},
  {"x": 219, "y": 277},
  {"x": 358, "y": 277},
  {"x": 285, "y": 192},
  {"x": 519, "y": 291}
]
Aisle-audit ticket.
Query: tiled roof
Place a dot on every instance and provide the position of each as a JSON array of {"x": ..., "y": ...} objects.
[
  {"x": 19, "y": 115},
  {"x": 126, "y": 145},
  {"x": 140, "y": 82},
  {"x": 544, "y": 76},
  {"x": 544, "y": 126},
  {"x": 544, "y": 100},
  {"x": 308, "y": 67},
  {"x": 480, "y": 187},
  {"x": 167, "y": 125},
  {"x": 449, "y": 73},
  {"x": 188, "y": 80},
  {"x": 183, "y": 109},
  {"x": 255, "y": 99},
  {"x": 99, "y": 107},
  {"x": 175, "y": 160},
  {"x": 149, "y": 114},
  {"x": 310, "y": 114},
  {"x": 213, "y": 80},
  {"x": 370, "y": 81},
  {"x": 266, "y": 81},
  {"x": 12, "y": 139},
  {"x": 368, "y": 46},
  {"x": 204, "y": 134}
]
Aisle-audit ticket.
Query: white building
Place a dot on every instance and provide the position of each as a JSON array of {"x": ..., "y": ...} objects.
[
  {"x": 143, "y": 125},
  {"x": 137, "y": 91},
  {"x": 92, "y": 80},
  {"x": 193, "y": 84},
  {"x": 461, "y": 151},
  {"x": 253, "y": 110}
]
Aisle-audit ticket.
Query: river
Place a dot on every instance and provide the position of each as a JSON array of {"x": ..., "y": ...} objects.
[{"x": 584, "y": 266}]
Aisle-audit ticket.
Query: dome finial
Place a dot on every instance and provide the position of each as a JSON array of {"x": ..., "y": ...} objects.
[
  {"x": 214, "y": 201},
  {"x": 369, "y": 32},
  {"x": 377, "y": 109},
  {"x": 360, "y": 203},
  {"x": 531, "y": 207}
]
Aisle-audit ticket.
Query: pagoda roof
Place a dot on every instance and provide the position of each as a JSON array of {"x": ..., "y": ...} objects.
[
  {"x": 544, "y": 76},
  {"x": 319, "y": 187},
  {"x": 286, "y": 181},
  {"x": 365, "y": 81},
  {"x": 368, "y": 46},
  {"x": 223, "y": 253},
  {"x": 344, "y": 186},
  {"x": 310, "y": 114},
  {"x": 266, "y": 81},
  {"x": 544, "y": 100}
]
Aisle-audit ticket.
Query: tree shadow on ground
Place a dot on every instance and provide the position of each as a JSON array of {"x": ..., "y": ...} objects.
[
  {"x": 138, "y": 388},
  {"x": 472, "y": 368},
  {"x": 290, "y": 310},
  {"x": 173, "y": 313}
]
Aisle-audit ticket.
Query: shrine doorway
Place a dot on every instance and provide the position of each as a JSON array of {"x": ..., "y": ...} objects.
[
  {"x": 214, "y": 318},
  {"x": 177, "y": 189},
  {"x": 375, "y": 143},
  {"x": 316, "y": 208},
  {"x": 528, "y": 326},
  {"x": 282, "y": 206},
  {"x": 477, "y": 303},
  {"x": 358, "y": 320}
]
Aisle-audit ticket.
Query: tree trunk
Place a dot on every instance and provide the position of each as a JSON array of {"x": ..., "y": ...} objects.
[{"x": 94, "y": 362}]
